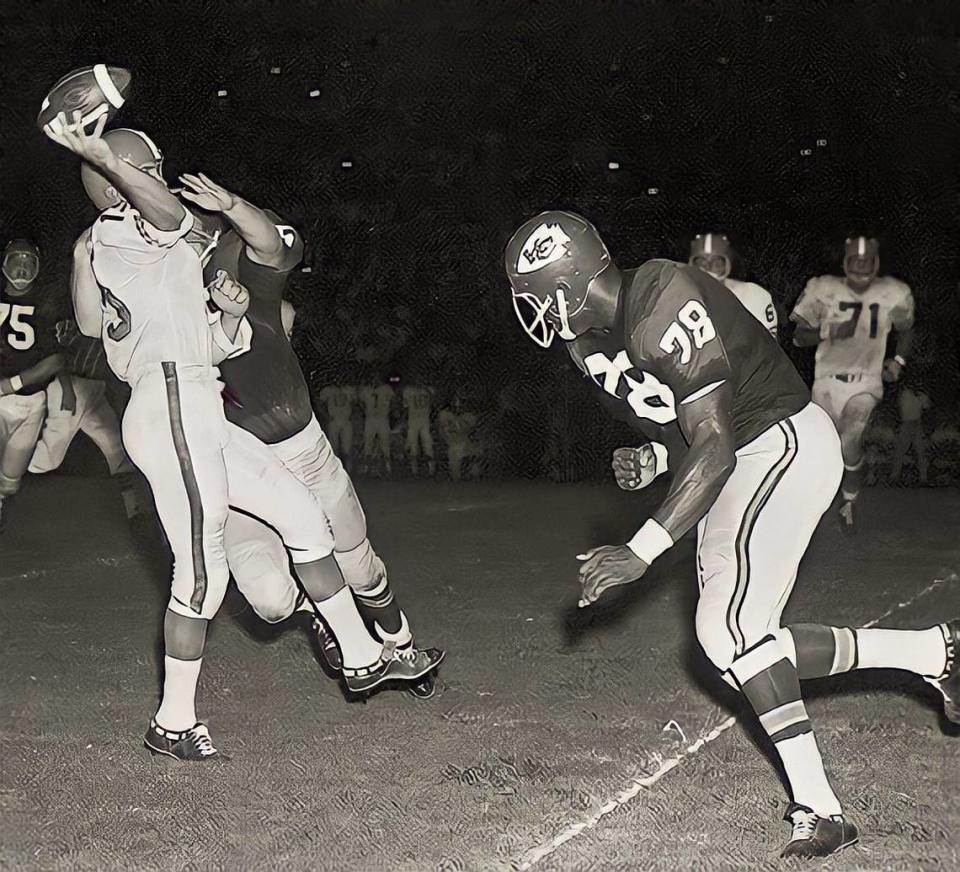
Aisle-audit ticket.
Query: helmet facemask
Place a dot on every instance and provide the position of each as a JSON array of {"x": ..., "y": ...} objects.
[
  {"x": 21, "y": 266},
  {"x": 861, "y": 262}
]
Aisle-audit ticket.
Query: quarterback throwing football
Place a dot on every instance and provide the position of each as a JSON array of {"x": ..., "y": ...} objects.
[
  {"x": 142, "y": 291},
  {"x": 761, "y": 468}
]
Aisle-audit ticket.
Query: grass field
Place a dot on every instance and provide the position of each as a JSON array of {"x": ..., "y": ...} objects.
[{"x": 559, "y": 739}]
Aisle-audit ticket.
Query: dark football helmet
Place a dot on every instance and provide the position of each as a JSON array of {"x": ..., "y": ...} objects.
[
  {"x": 711, "y": 252},
  {"x": 861, "y": 261},
  {"x": 553, "y": 262}
]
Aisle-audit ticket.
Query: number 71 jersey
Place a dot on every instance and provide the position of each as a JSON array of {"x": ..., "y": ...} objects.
[
  {"x": 886, "y": 304},
  {"x": 682, "y": 336}
]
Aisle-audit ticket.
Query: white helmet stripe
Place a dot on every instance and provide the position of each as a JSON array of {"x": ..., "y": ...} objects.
[
  {"x": 708, "y": 244},
  {"x": 861, "y": 246},
  {"x": 564, "y": 331}
]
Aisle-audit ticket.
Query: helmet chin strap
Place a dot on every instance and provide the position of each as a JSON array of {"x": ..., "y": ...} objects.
[{"x": 564, "y": 331}]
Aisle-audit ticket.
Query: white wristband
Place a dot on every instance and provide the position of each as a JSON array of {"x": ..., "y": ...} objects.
[
  {"x": 16, "y": 383},
  {"x": 650, "y": 541},
  {"x": 662, "y": 456},
  {"x": 900, "y": 360}
]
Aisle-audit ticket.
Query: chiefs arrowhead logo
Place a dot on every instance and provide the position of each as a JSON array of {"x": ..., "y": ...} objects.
[{"x": 544, "y": 246}]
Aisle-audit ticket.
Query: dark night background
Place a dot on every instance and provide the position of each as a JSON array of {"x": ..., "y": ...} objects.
[{"x": 788, "y": 124}]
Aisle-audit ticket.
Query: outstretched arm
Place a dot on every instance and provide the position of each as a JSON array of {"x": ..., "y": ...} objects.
[{"x": 264, "y": 243}]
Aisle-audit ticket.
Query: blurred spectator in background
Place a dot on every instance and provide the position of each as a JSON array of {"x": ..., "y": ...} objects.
[
  {"x": 912, "y": 402},
  {"x": 456, "y": 427},
  {"x": 418, "y": 402},
  {"x": 713, "y": 253},
  {"x": 945, "y": 451},
  {"x": 377, "y": 402},
  {"x": 339, "y": 400}
]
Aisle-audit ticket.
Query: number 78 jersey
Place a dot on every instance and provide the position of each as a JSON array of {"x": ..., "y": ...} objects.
[
  {"x": 886, "y": 304},
  {"x": 683, "y": 335}
]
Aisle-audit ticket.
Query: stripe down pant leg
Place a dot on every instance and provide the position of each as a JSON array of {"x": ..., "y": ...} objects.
[{"x": 750, "y": 543}]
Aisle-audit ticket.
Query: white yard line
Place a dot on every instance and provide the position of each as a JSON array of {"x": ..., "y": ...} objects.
[
  {"x": 76, "y": 566},
  {"x": 638, "y": 785}
]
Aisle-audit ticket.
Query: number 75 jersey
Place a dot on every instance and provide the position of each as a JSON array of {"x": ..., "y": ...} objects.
[
  {"x": 886, "y": 304},
  {"x": 682, "y": 336}
]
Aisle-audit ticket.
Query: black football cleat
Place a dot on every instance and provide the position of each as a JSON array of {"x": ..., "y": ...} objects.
[
  {"x": 408, "y": 665},
  {"x": 192, "y": 745},
  {"x": 815, "y": 836},
  {"x": 425, "y": 688},
  {"x": 327, "y": 644},
  {"x": 949, "y": 682}
]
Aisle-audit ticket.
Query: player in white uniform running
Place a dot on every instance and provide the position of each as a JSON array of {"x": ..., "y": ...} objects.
[
  {"x": 161, "y": 338},
  {"x": 712, "y": 253},
  {"x": 848, "y": 318},
  {"x": 377, "y": 401},
  {"x": 418, "y": 401}
]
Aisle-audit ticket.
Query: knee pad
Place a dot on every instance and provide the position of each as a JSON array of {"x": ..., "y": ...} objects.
[
  {"x": 362, "y": 569},
  {"x": 269, "y": 589},
  {"x": 715, "y": 639}
]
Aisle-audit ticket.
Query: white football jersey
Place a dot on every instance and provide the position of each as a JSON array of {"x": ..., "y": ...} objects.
[
  {"x": 339, "y": 400},
  {"x": 153, "y": 299},
  {"x": 417, "y": 401},
  {"x": 756, "y": 300},
  {"x": 377, "y": 400},
  {"x": 887, "y": 304}
]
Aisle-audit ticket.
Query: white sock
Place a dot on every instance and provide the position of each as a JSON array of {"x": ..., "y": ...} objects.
[
  {"x": 178, "y": 710},
  {"x": 923, "y": 652},
  {"x": 808, "y": 781},
  {"x": 357, "y": 646}
]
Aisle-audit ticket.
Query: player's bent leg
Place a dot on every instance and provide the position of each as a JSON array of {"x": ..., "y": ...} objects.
[
  {"x": 262, "y": 486},
  {"x": 58, "y": 431},
  {"x": 21, "y": 420},
  {"x": 751, "y": 543},
  {"x": 309, "y": 456},
  {"x": 853, "y": 423},
  {"x": 27, "y": 415},
  {"x": 260, "y": 567}
]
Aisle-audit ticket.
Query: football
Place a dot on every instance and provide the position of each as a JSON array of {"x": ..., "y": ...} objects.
[{"x": 94, "y": 91}]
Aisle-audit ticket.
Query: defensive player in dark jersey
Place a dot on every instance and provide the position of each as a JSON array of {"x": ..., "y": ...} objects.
[
  {"x": 28, "y": 361},
  {"x": 760, "y": 467},
  {"x": 268, "y": 396}
]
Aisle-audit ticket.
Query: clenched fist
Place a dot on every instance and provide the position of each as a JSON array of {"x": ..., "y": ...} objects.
[
  {"x": 634, "y": 468},
  {"x": 228, "y": 295}
]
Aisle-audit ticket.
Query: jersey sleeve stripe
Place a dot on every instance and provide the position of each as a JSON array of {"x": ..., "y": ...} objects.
[{"x": 700, "y": 394}]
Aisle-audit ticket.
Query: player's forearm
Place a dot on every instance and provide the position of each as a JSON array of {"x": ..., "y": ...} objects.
[
  {"x": 148, "y": 195},
  {"x": 38, "y": 374},
  {"x": 804, "y": 337},
  {"x": 698, "y": 480},
  {"x": 904, "y": 343},
  {"x": 256, "y": 229}
]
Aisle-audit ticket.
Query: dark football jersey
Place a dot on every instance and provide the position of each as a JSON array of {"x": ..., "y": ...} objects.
[
  {"x": 266, "y": 393},
  {"x": 682, "y": 334},
  {"x": 28, "y": 328}
]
